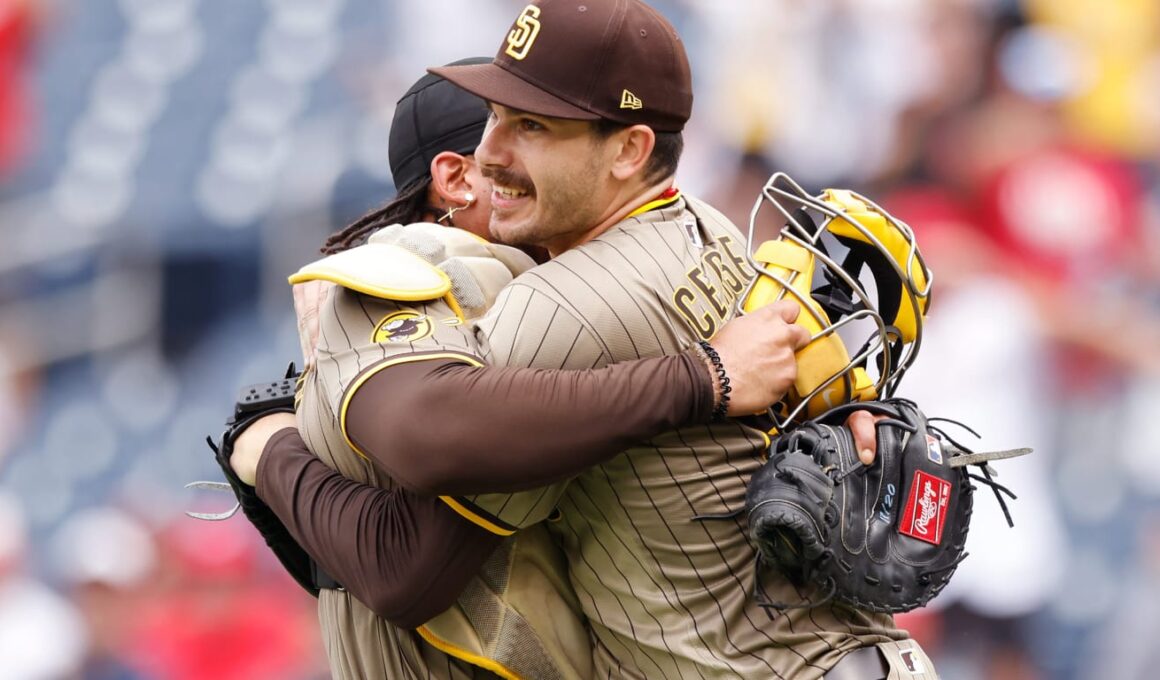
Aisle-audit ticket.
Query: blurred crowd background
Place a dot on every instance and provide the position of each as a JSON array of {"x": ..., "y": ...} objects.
[{"x": 165, "y": 164}]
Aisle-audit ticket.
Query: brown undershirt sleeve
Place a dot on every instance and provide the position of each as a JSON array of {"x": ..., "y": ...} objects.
[
  {"x": 406, "y": 556},
  {"x": 458, "y": 430},
  {"x": 443, "y": 427}
]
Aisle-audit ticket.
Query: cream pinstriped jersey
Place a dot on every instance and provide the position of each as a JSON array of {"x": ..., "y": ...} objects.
[
  {"x": 519, "y": 612},
  {"x": 667, "y": 595}
]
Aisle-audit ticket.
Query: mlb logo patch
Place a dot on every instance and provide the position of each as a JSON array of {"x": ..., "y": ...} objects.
[
  {"x": 934, "y": 450},
  {"x": 925, "y": 514},
  {"x": 693, "y": 232},
  {"x": 912, "y": 662}
]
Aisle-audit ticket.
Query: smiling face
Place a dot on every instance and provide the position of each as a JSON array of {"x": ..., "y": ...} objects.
[{"x": 552, "y": 183}]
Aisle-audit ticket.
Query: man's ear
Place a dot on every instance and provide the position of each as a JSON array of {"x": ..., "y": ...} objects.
[
  {"x": 449, "y": 178},
  {"x": 635, "y": 147}
]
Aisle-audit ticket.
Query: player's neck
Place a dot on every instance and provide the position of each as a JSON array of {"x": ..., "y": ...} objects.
[{"x": 619, "y": 209}]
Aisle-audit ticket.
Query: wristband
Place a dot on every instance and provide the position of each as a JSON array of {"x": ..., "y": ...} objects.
[{"x": 722, "y": 380}]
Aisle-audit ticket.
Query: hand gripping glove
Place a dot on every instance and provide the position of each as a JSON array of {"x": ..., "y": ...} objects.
[
  {"x": 255, "y": 402},
  {"x": 885, "y": 537}
]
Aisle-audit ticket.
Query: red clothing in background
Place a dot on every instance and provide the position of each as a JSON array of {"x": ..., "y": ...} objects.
[{"x": 15, "y": 118}]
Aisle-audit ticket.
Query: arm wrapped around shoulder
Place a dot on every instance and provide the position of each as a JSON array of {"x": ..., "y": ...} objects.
[{"x": 882, "y": 537}]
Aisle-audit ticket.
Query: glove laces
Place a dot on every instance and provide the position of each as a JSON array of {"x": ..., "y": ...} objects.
[{"x": 987, "y": 476}]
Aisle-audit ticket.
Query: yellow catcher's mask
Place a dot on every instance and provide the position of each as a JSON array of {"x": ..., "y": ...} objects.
[{"x": 861, "y": 282}]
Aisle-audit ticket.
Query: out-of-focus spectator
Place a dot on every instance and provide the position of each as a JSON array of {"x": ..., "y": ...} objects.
[
  {"x": 1112, "y": 56},
  {"x": 1065, "y": 219},
  {"x": 803, "y": 82},
  {"x": 219, "y": 609},
  {"x": 42, "y": 636},
  {"x": 106, "y": 557}
]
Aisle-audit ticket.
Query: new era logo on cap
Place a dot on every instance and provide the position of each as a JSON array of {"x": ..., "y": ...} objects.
[{"x": 629, "y": 100}]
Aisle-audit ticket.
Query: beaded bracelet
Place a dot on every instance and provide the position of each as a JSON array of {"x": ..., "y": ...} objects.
[{"x": 722, "y": 379}]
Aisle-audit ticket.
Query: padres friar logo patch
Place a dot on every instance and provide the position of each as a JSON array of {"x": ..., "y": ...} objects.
[
  {"x": 523, "y": 34},
  {"x": 403, "y": 326}
]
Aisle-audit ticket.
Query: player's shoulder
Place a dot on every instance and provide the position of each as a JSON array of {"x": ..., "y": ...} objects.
[
  {"x": 380, "y": 270},
  {"x": 713, "y": 221},
  {"x": 705, "y": 211},
  {"x": 683, "y": 212},
  {"x": 382, "y": 293}
]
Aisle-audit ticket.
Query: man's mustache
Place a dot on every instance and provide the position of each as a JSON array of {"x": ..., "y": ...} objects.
[{"x": 507, "y": 178}]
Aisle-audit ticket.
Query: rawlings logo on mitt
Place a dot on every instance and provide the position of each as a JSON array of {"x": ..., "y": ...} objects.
[{"x": 885, "y": 537}]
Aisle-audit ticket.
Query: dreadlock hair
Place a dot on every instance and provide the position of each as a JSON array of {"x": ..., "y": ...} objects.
[{"x": 410, "y": 205}]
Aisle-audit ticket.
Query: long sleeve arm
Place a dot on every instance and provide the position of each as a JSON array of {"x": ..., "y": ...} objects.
[
  {"x": 404, "y": 555},
  {"x": 443, "y": 427}
]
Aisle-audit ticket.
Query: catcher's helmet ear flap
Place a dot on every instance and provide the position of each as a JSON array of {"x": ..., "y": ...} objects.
[{"x": 827, "y": 247}]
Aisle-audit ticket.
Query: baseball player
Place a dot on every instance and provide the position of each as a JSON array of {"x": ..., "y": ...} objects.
[
  {"x": 588, "y": 101},
  {"x": 374, "y": 326}
]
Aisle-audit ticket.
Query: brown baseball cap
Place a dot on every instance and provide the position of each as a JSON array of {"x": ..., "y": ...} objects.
[{"x": 587, "y": 59}]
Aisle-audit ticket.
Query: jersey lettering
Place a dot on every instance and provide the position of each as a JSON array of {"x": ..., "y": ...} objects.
[
  {"x": 697, "y": 276},
  {"x": 705, "y": 326},
  {"x": 713, "y": 260},
  {"x": 707, "y": 301},
  {"x": 739, "y": 262}
]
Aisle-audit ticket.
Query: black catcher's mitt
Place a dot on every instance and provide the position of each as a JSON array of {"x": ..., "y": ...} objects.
[
  {"x": 255, "y": 402},
  {"x": 884, "y": 537}
]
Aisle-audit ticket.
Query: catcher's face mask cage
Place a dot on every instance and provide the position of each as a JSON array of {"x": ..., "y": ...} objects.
[{"x": 861, "y": 282}]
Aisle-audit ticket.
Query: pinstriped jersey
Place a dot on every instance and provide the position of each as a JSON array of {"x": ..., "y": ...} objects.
[
  {"x": 519, "y": 616},
  {"x": 668, "y": 592}
]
